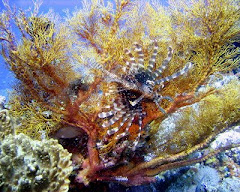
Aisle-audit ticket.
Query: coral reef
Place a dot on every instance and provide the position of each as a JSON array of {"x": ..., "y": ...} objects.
[
  {"x": 112, "y": 84},
  {"x": 34, "y": 121},
  {"x": 230, "y": 184},
  {"x": 2, "y": 101},
  {"x": 30, "y": 165},
  {"x": 137, "y": 86},
  {"x": 218, "y": 173},
  {"x": 212, "y": 175},
  {"x": 203, "y": 179},
  {"x": 170, "y": 132},
  {"x": 6, "y": 124}
]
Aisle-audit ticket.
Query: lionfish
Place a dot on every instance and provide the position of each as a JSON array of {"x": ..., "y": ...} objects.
[{"x": 137, "y": 85}]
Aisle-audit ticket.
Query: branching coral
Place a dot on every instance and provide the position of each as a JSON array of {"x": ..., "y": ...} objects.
[{"x": 141, "y": 72}]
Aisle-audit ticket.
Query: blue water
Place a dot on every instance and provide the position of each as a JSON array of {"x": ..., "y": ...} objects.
[{"x": 6, "y": 79}]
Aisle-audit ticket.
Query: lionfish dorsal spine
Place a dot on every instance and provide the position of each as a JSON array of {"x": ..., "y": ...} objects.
[
  {"x": 139, "y": 51},
  {"x": 165, "y": 63},
  {"x": 175, "y": 75},
  {"x": 132, "y": 66},
  {"x": 152, "y": 60}
]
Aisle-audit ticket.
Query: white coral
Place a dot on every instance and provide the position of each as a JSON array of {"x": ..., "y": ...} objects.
[{"x": 32, "y": 165}]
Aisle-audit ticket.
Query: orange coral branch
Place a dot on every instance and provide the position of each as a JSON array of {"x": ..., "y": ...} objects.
[
  {"x": 73, "y": 108},
  {"x": 153, "y": 112},
  {"x": 182, "y": 163},
  {"x": 50, "y": 71},
  {"x": 180, "y": 101}
]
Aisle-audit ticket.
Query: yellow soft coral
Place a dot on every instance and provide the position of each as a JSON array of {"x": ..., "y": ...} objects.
[{"x": 65, "y": 69}]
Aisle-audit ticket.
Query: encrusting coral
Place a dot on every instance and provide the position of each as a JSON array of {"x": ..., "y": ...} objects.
[
  {"x": 30, "y": 165},
  {"x": 116, "y": 82},
  {"x": 6, "y": 123}
]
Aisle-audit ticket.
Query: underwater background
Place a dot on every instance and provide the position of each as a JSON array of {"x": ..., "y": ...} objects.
[
  {"x": 59, "y": 143},
  {"x": 6, "y": 77}
]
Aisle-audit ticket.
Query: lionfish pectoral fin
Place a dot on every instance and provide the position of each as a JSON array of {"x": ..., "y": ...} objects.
[
  {"x": 126, "y": 132},
  {"x": 105, "y": 114},
  {"x": 113, "y": 120},
  {"x": 135, "y": 143}
]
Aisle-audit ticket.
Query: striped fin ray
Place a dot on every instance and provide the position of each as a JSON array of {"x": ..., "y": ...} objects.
[
  {"x": 165, "y": 62},
  {"x": 114, "y": 101},
  {"x": 131, "y": 66},
  {"x": 138, "y": 50},
  {"x": 158, "y": 99},
  {"x": 111, "y": 90},
  {"x": 152, "y": 61},
  {"x": 106, "y": 114},
  {"x": 114, "y": 119},
  {"x": 116, "y": 129},
  {"x": 125, "y": 133},
  {"x": 175, "y": 75},
  {"x": 112, "y": 130},
  {"x": 140, "y": 119},
  {"x": 110, "y": 113},
  {"x": 117, "y": 106}
]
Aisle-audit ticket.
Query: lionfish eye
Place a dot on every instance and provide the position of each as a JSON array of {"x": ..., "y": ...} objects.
[
  {"x": 148, "y": 82},
  {"x": 147, "y": 89}
]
